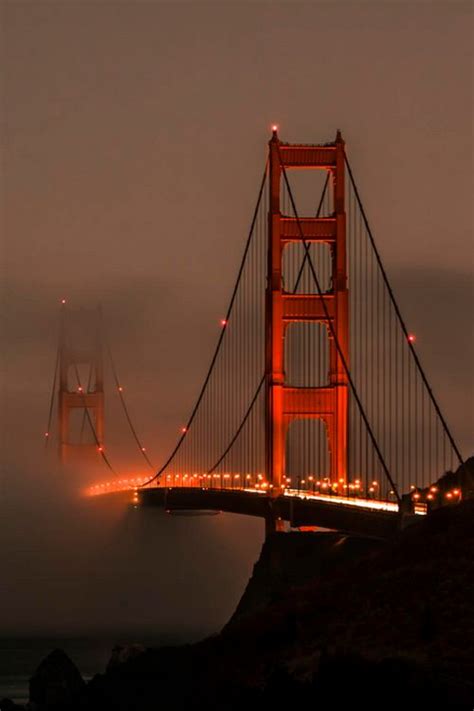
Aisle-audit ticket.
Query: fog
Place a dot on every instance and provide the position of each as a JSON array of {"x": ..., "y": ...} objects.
[{"x": 134, "y": 138}]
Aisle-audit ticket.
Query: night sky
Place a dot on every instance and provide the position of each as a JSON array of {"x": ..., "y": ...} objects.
[{"x": 134, "y": 138}]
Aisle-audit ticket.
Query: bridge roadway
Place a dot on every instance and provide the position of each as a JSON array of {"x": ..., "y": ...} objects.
[{"x": 359, "y": 516}]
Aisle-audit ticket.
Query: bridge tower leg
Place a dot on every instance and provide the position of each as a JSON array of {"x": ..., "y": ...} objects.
[
  {"x": 284, "y": 403},
  {"x": 88, "y": 396}
]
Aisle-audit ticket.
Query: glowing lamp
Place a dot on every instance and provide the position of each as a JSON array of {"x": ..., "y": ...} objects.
[
  {"x": 46, "y": 434},
  {"x": 223, "y": 322},
  {"x": 274, "y": 128},
  {"x": 183, "y": 429},
  {"x": 63, "y": 301},
  {"x": 411, "y": 338}
]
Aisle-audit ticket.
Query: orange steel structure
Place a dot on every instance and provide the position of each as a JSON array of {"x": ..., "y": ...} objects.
[
  {"x": 285, "y": 404},
  {"x": 90, "y": 399}
]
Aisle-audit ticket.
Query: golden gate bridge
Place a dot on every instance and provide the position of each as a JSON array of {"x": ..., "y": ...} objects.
[{"x": 315, "y": 408}]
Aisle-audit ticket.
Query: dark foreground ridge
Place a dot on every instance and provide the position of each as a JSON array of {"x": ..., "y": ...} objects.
[{"x": 326, "y": 620}]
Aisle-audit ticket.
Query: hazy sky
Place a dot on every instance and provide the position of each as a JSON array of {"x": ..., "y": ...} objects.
[{"x": 134, "y": 136}]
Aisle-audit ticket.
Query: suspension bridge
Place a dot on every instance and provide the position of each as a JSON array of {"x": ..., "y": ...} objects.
[{"x": 315, "y": 408}]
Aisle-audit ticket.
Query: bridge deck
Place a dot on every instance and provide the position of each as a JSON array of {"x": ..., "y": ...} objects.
[{"x": 356, "y": 516}]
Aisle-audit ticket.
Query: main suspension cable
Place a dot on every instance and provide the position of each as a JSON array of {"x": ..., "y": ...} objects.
[
  {"x": 318, "y": 212},
  {"x": 262, "y": 380},
  {"x": 122, "y": 399},
  {"x": 220, "y": 339},
  {"x": 240, "y": 427},
  {"x": 47, "y": 434},
  {"x": 400, "y": 317},
  {"x": 100, "y": 447}
]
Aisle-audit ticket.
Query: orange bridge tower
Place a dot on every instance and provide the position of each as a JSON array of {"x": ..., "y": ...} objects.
[
  {"x": 80, "y": 352},
  {"x": 285, "y": 404}
]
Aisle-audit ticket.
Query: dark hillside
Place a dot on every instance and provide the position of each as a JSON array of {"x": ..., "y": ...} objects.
[{"x": 401, "y": 617}]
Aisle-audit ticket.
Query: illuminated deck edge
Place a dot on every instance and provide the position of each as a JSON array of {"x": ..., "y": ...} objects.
[{"x": 134, "y": 485}]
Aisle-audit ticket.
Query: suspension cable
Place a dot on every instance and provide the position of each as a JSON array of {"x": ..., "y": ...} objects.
[
  {"x": 240, "y": 427},
  {"x": 84, "y": 417},
  {"x": 260, "y": 385},
  {"x": 400, "y": 317},
  {"x": 100, "y": 447},
  {"x": 220, "y": 339},
  {"x": 334, "y": 335},
  {"x": 53, "y": 395},
  {"x": 122, "y": 400},
  {"x": 318, "y": 212}
]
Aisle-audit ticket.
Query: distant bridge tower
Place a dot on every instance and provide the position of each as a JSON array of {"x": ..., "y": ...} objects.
[
  {"x": 329, "y": 403},
  {"x": 80, "y": 351}
]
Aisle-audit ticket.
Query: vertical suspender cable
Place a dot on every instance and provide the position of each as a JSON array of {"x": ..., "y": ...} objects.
[{"x": 400, "y": 318}]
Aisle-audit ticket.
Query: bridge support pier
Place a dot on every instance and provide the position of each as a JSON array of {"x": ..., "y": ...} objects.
[
  {"x": 406, "y": 514},
  {"x": 273, "y": 524}
]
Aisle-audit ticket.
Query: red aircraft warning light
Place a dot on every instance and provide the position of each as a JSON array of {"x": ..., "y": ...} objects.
[{"x": 411, "y": 338}]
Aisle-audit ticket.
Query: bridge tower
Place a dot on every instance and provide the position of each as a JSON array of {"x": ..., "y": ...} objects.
[
  {"x": 80, "y": 347},
  {"x": 285, "y": 404}
]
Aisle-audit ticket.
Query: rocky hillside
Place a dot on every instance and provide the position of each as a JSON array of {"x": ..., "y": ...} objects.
[
  {"x": 292, "y": 560},
  {"x": 395, "y": 623}
]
